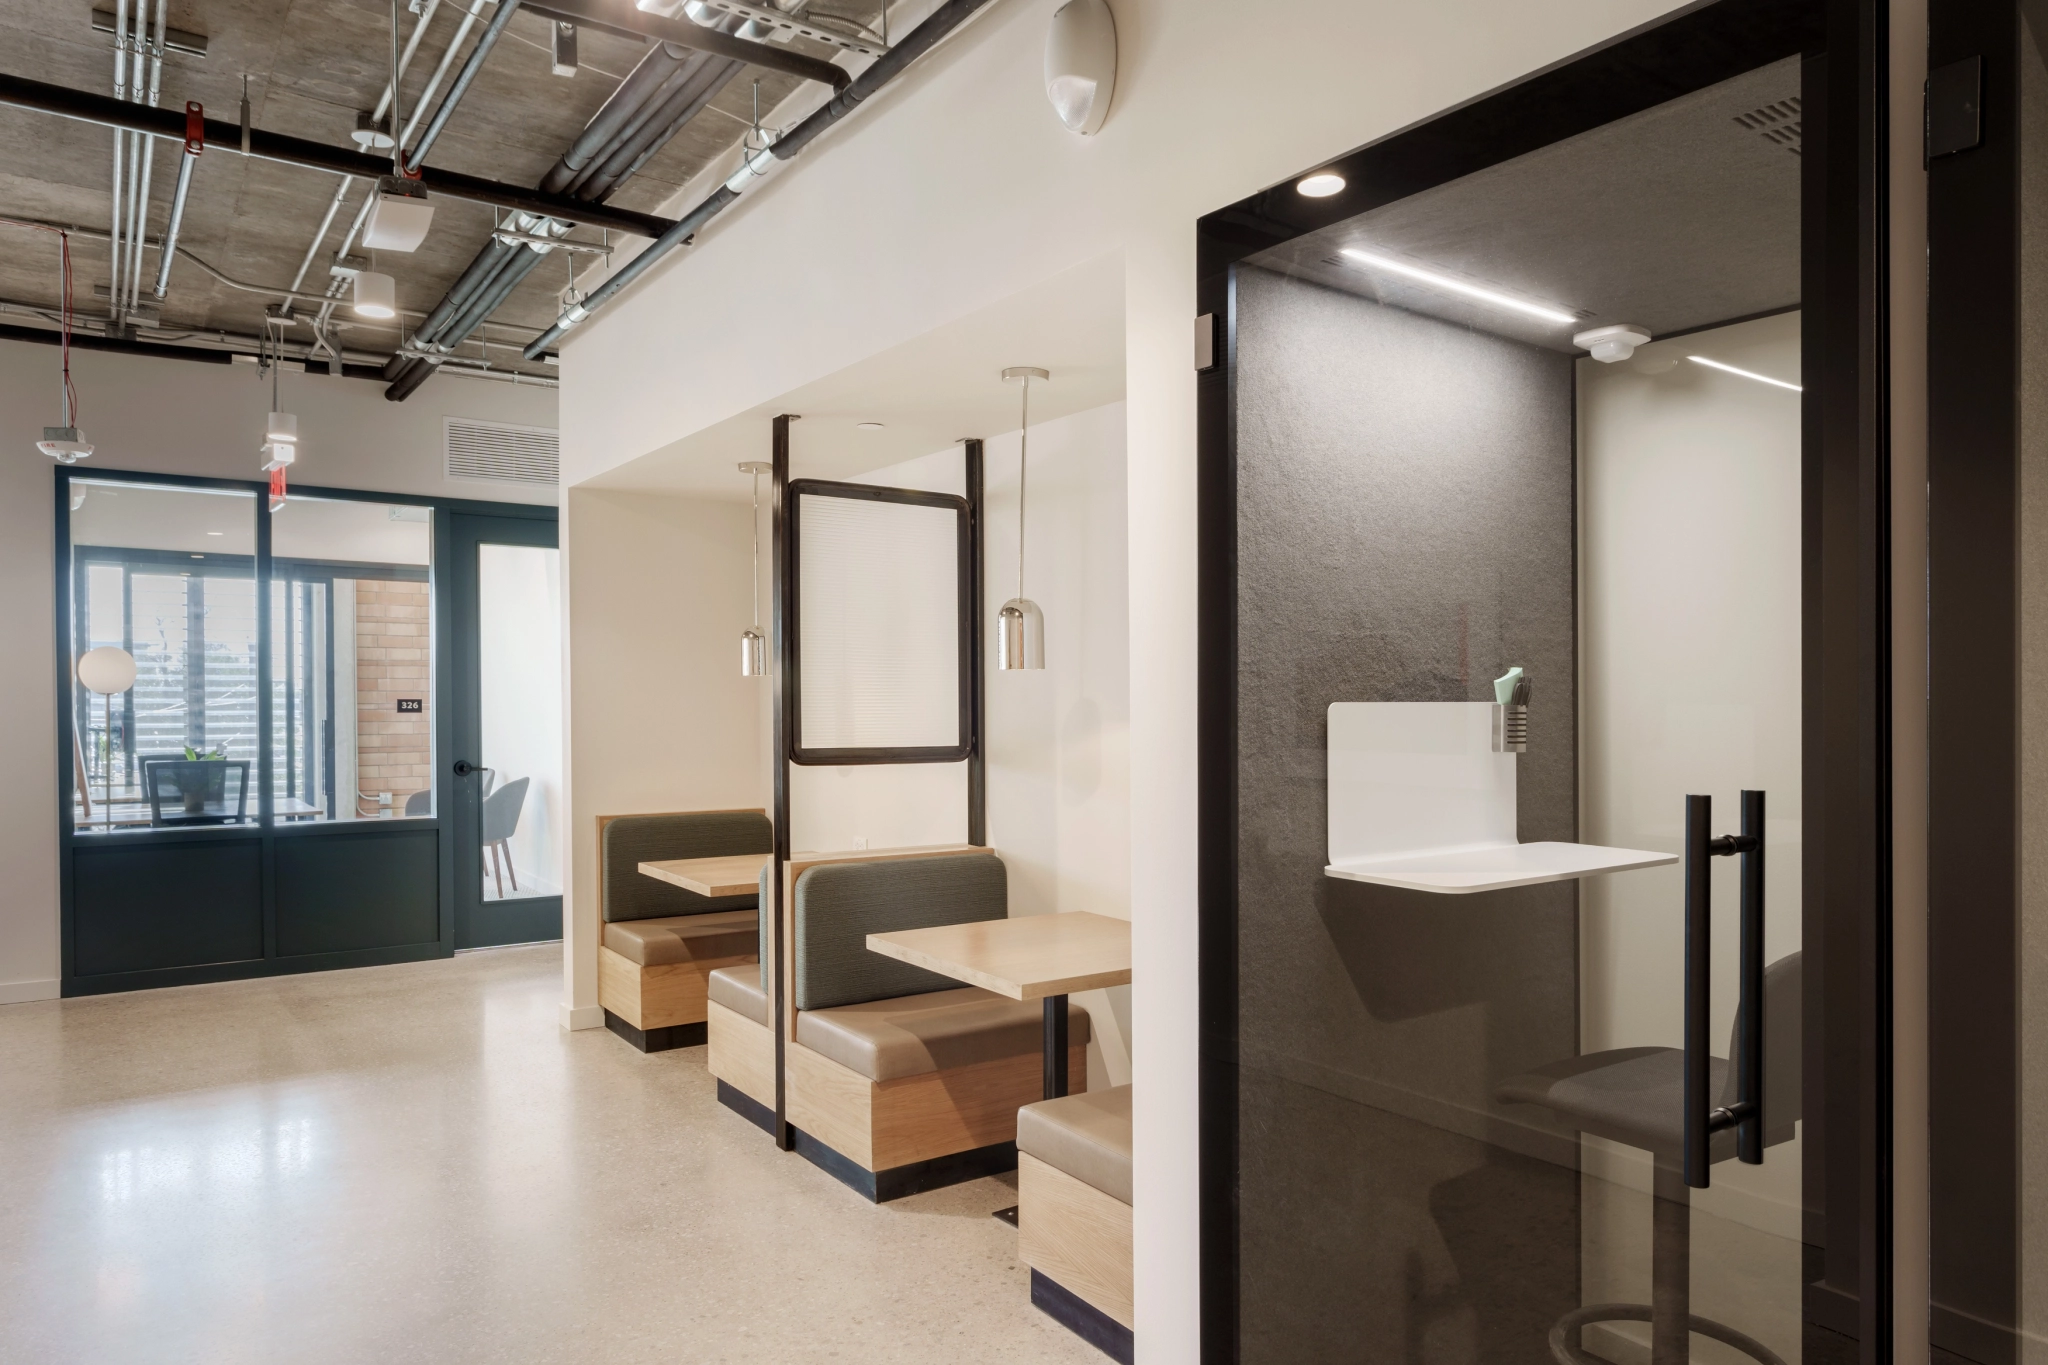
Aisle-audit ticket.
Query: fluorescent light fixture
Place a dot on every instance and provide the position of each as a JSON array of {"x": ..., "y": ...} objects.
[
  {"x": 1321, "y": 185},
  {"x": 1746, "y": 374},
  {"x": 1445, "y": 282},
  {"x": 376, "y": 295}
]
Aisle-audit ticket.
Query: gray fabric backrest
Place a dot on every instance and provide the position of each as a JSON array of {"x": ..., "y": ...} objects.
[
  {"x": 630, "y": 840},
  {"x": 839, "y": 904}
]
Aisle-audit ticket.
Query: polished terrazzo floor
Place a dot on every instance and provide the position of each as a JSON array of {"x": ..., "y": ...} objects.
[{"x": 415, "y": 1163}]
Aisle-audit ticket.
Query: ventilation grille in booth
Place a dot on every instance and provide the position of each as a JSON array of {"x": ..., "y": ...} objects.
[
  {"x": 502, "y": 453},
  {"x": 1777, "y": 123}
]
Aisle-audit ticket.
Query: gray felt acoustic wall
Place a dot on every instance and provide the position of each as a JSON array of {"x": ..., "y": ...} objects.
[{"x": 1405, "y": 532}]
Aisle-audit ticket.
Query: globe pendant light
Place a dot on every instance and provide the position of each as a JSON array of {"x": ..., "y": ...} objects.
[
  {"x": 754, "y": 649},
  {"x": 1020, "y": 625}
]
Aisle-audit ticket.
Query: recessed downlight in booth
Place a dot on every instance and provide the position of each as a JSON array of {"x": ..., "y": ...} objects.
[
  {"x": 1321, "y": 185},
  {"x": 753, "y": 648},
  {"x": 1020, "y": 625}
]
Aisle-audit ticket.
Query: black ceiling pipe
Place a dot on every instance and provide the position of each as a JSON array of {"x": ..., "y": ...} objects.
[
  {"x": 922, "y": 39},
  {"x": 711, "y": 40},
  {"x": 508, "y": 273},
  {"x": 919, "y": 41},
  {"x": 473, "y": 64},
  {"x": 698, "y": 89},
  {"x": 641, "y": 82},
  {"x": 294, "y": 151}
]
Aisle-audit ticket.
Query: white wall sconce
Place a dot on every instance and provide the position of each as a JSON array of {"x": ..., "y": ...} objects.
[
  {"x": 1020, "y": 625},
  {"x": 1080, "y": 64}
]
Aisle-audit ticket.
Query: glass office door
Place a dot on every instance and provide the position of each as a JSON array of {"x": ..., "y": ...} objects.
[
  {"x": 1532, "y": 676},
  {"x": 505, "y": 782}
]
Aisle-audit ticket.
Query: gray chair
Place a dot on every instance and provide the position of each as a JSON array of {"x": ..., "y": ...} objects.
[
  {"x": 500, "y": 822},
  {"x": 420, "y": 802},
  {"x": 1635, "y": 1095}
]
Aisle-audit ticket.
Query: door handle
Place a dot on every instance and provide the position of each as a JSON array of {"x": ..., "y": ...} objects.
[
  {"x": 463, "y": 767},
  {"x": 1746, "y": 1115}
]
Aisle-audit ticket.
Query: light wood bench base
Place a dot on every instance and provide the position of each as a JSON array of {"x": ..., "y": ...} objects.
[
  {"x": 660, "y": 1007},
  {"x": 1076, "y": 1235}
]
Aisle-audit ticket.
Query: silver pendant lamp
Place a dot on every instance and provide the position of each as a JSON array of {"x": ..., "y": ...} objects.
[
  {"x": 753, "y": 648},
  {"x": 1020, "y": 625}
]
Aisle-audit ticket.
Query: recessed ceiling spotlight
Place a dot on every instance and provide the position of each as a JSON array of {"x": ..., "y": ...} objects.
[
  {"x": 1445, "y": 282},
  {"x": 1321, "y": 185},
  {"x": 1746, "y": 374},
  {"x": 869, "y": 426}
]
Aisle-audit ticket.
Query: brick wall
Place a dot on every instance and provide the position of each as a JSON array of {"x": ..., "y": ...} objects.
[{"x": 394, "y": 753}]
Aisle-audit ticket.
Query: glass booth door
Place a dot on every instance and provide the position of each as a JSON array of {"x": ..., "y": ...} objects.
[
  {"x": 504, "y": 781},
  {"x": 1527, "y": 690}
]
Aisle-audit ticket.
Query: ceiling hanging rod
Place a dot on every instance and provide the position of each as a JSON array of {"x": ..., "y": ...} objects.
[{"x": 106, "y": 111}]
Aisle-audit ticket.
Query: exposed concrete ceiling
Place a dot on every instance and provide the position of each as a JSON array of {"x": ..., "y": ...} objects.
[
  {"x": 927, "y": 393},
  {"x": 312, "y": 66},
  {"x": 1675, "y": 218}
]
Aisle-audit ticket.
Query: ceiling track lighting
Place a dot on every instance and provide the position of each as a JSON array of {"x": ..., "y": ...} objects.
[
  {"x": 753, "y": 648},
  {"x": 1747, "y": 374},
  {"x": 1020, "y": 625},
  {"x": 1375, "y": 261}
]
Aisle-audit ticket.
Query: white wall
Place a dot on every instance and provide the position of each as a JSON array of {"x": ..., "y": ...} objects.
[
  {"x": 959, "y": 187},
  {"x": 656, "y": 590},
  {"x": 173, "y": 417}
]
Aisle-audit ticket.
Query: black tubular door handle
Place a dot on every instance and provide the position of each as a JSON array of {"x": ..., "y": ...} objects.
[
  {"x": 1746, "y": 1114},
  {"x": 463, "y": 767}
]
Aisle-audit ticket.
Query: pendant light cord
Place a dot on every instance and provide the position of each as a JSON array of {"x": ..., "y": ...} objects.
[
  {"x": 757, "y": 551},
  {"x": 1023, "y": 458}
]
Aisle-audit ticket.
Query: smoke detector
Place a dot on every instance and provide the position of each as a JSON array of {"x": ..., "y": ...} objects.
[
  {"x": 1610, "y": 344},
  {"x": 64, "y": 445}
]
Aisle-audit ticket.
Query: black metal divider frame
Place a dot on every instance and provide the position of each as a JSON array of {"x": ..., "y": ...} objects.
[
  {"x": 786, "y": 700},
  {"x": 267, "y": 834},
  {"x": 1846, "y": 688}
]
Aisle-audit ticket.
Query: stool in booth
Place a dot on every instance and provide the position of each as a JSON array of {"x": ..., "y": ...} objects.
[{"x": 1074, "y": 1213}]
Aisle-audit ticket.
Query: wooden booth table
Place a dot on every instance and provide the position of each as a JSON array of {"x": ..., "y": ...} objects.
[
  {"x": 1030, "y": 957},
  {"x": 733, "y": 875}
]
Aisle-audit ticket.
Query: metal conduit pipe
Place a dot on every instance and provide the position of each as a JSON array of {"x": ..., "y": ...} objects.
[
  {"x": 410, "y": 161},
  {"x": 650, "y": 110},
  {"x": 167, "y": 251},
  {"x": 476, "y": 9},
  {"x": 509, "y": 274},
  {"x": 412, "y": 45},
  {"x": 148, "y": 149},
  {"x": 120, "y": 147},
  {"x": 675, "y": 125},
  {"x": 920, "y": 40},
  {"x": 650, "y": 73}
]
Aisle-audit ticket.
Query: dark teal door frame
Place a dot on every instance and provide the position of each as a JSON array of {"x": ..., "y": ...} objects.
[
  {"x": 173, "y": 907},
  {"x": 480, "y": 923}
]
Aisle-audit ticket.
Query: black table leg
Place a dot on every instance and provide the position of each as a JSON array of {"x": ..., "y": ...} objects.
[
  {"x": 1055, "y": 1046},
  {"x": 1055, "y": 1067}
]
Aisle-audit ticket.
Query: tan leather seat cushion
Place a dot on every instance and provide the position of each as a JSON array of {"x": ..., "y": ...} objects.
[
  {"x": 912, "y": 1035},
  {"x": 739, "y": 990},
  {"x": 1087, "y": 1136},
  {"x": 683, "y": 938}
]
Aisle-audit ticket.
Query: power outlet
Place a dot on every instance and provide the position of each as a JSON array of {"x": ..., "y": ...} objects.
[{"x": 860, "y": 842}]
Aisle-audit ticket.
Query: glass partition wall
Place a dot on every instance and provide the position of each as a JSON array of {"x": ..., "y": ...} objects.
[{"x": 1465, "y": 1100}]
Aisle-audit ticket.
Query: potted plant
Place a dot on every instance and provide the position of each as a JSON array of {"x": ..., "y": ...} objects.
[{"x": 195, "y": 793}]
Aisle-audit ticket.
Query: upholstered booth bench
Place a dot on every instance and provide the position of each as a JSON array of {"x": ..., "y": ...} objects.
[
  {"x": 1074, "y": 1213},
  {"x": 659, "y": 943},
  {"x": 898, "y": 1080}
]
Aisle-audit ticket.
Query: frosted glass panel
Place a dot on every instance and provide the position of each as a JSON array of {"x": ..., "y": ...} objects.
[
  {"x": 879, "y": 624},
  {"x": 519, "y": 639}
]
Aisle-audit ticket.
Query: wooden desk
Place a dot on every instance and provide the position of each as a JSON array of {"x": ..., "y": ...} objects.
[
  {"x": 129, "y": 814},
  {"x": 735, "y": 875},
  {"x": 1031, "y": 957}
]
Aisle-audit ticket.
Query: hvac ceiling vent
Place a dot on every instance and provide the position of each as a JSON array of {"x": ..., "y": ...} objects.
[
  {"x": 501, "y": 453},
  {"x": 1777, "y": 123}
]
